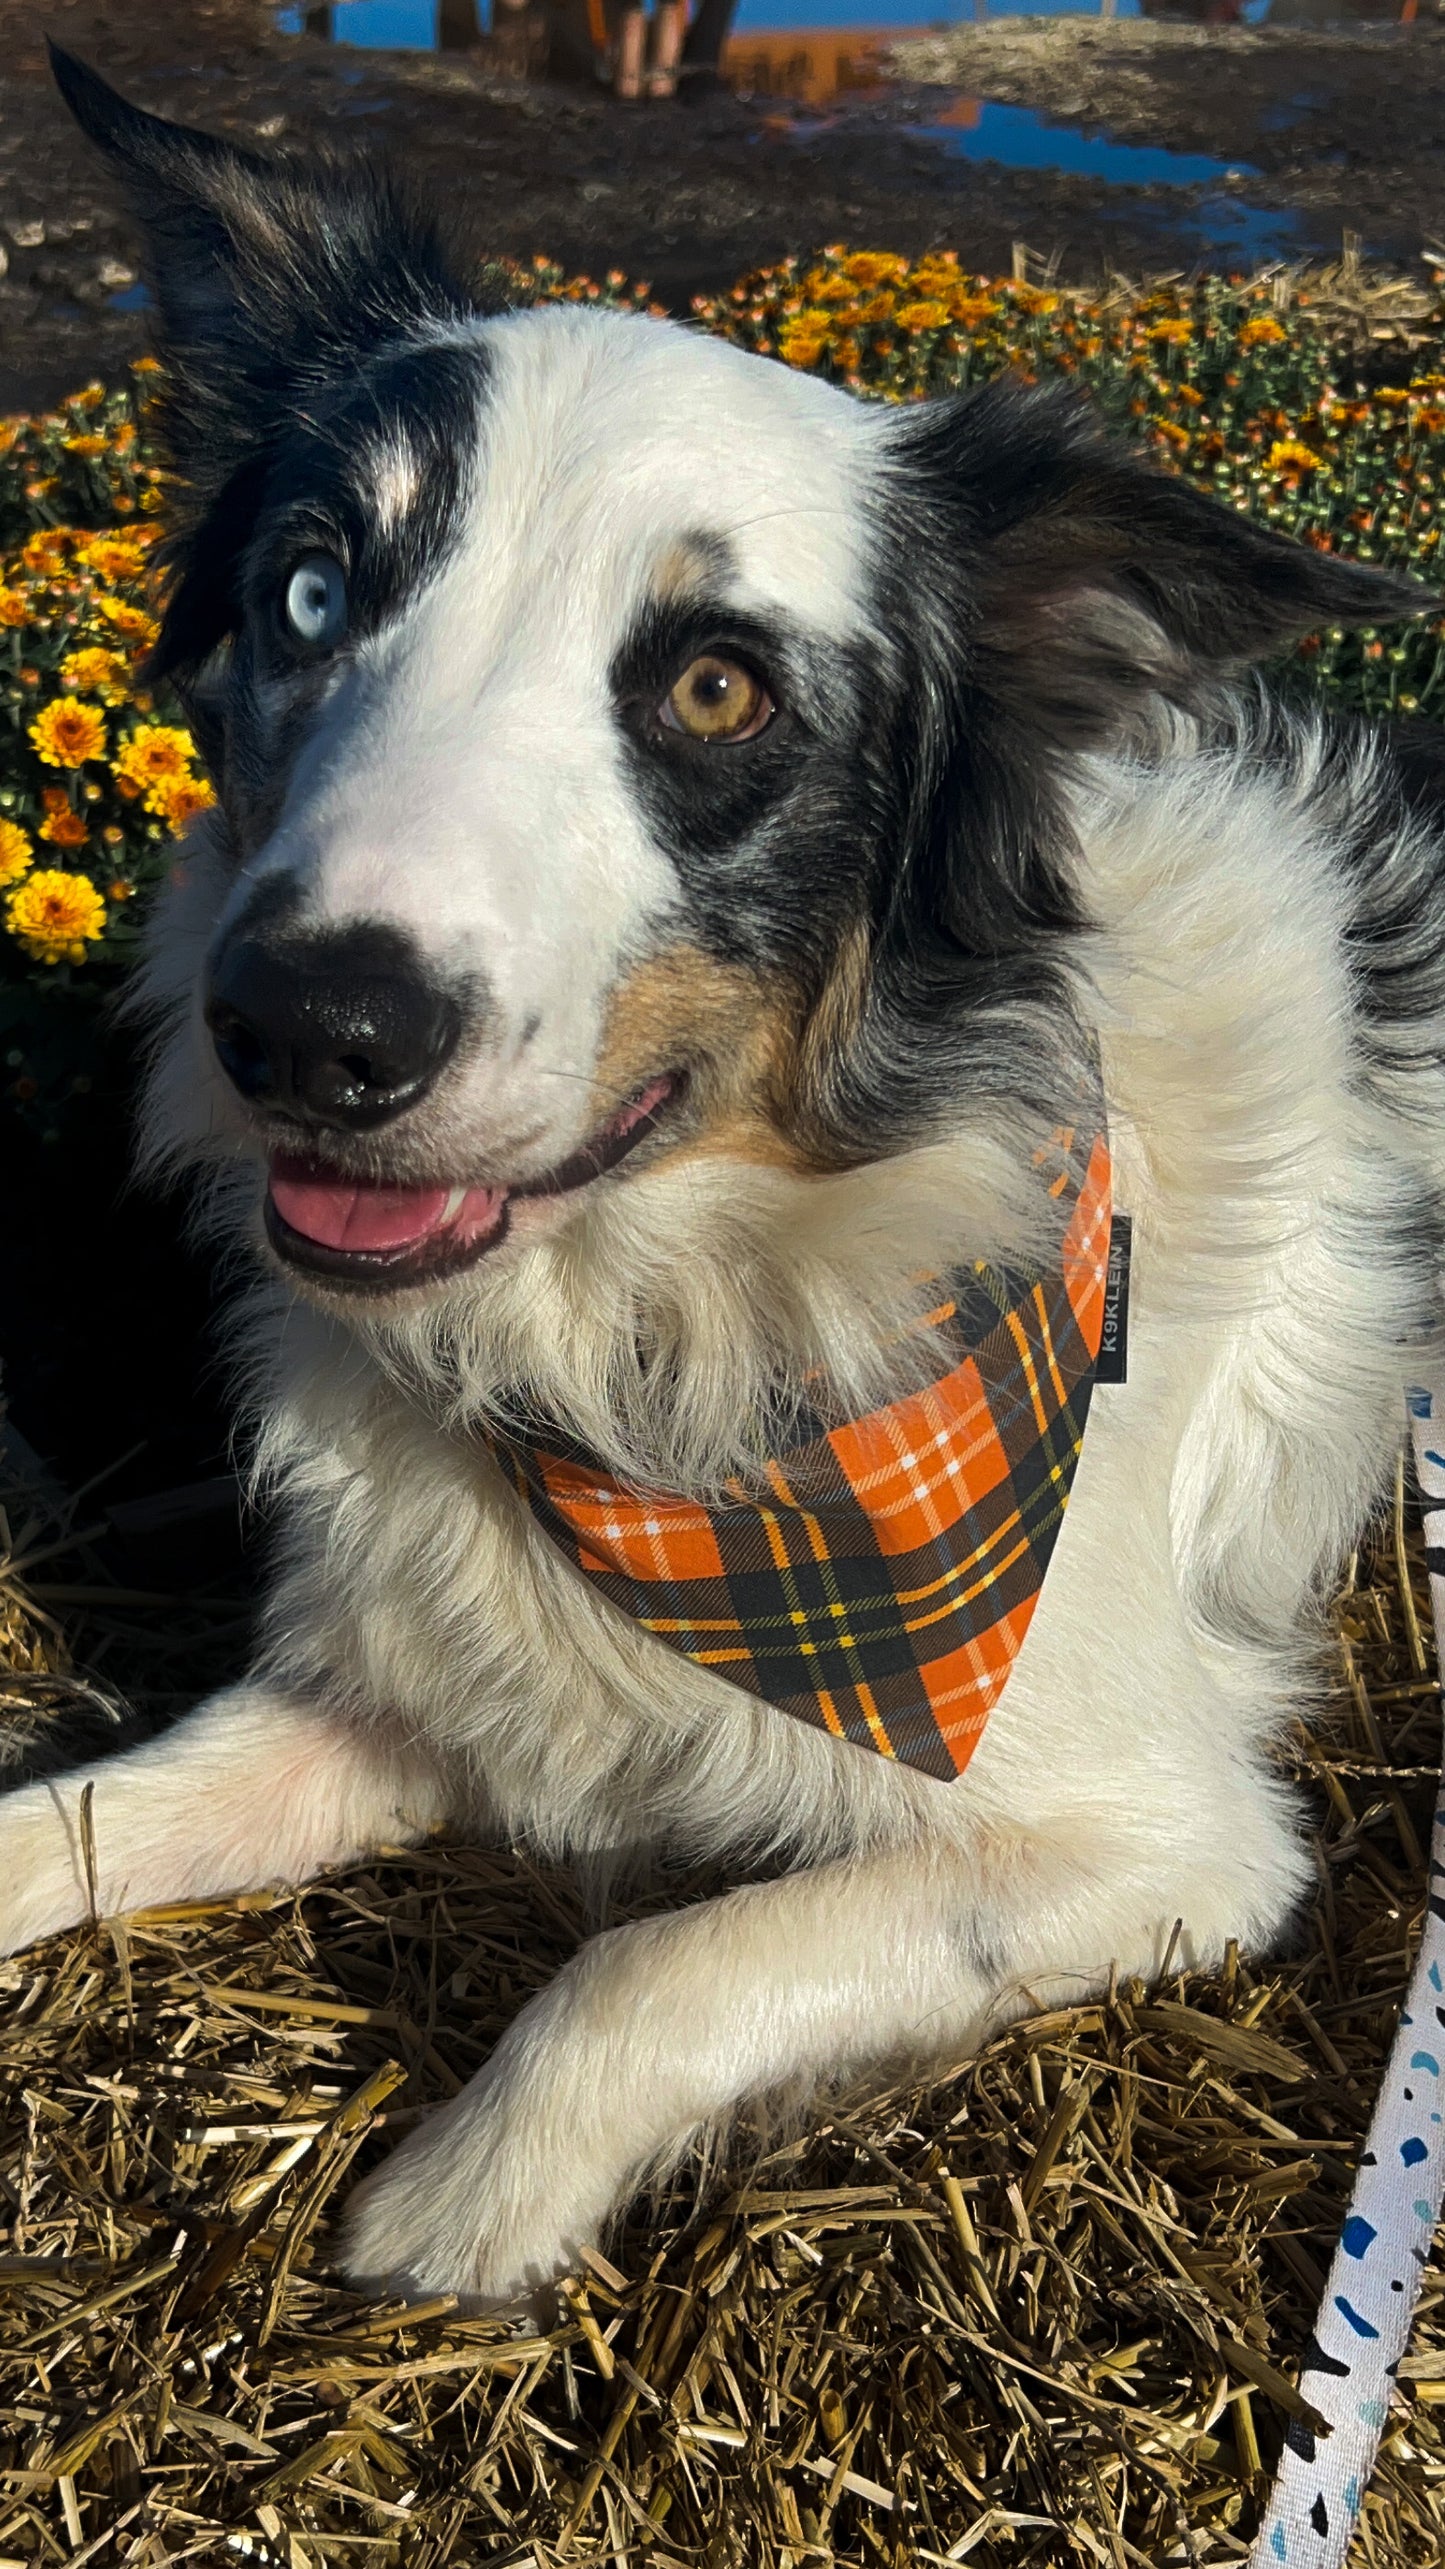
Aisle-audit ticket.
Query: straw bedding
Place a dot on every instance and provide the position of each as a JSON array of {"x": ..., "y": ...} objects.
[{"x": 1043, "y": 2310}]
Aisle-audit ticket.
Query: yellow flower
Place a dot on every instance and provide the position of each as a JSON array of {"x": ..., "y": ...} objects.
[
  {"x": 16, "y": 852},
  {"x": 1262, "y": 332},
  {"x": 178, "y": 799},
  {"x": 67, "y": 733},
  {"x": 55, "y": 915},
  {"x": 155, "y": 754},
  {"x": 85, "y": 444},
  {"x": 937, "y": 274},
  {"x": 46, "y": 551},
  {"x": 64, "y": 828},
  {"x": 1176, "y": 333},
  {"x": 96, "y": 673},
  {"x": 115, "y": 557},
  {"x": 14, "y": 607},
  {"x": 821, "y": 288},
  {"x": 874, "y": 267},
  {"x": 129, "y": 622},
  {"x": 970, "y": 309},
  {"x": 926, "y": 315},
  {"x": 1287, "y": 455},
  {"x": 802, "y": 340}
]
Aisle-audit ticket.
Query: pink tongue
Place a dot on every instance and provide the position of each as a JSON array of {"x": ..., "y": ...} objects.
[{"x": 340, "y": 1215}]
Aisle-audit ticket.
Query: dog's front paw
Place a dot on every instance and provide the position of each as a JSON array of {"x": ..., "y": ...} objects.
[
  {"x": 471, "y": 2207},
  {"x": 42, "y": 1876}
]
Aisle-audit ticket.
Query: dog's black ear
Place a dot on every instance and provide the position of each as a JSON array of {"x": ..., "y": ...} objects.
[
  {"x": 271, "y": 277},
  {"x": 1093, "y": 578}
]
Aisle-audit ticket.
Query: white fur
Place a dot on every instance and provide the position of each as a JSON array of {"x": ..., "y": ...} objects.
[
  {"x": 466, "y": 783},
  {"x": 429, "y": 1656}
]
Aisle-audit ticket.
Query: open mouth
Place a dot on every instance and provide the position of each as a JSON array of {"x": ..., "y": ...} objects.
[{"x": 379, "y": 1237}]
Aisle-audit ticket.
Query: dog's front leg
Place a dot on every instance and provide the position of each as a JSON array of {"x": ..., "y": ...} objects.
[
  {"x": 252, "y": 1788},
  {"x": 651, "y": 2033}
]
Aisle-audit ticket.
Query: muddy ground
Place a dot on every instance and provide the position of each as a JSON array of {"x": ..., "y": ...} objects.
[{"x": 1345, "y": 132}]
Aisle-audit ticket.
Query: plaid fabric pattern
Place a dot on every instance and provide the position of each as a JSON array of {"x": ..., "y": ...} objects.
[{"x": 882, "y": 1583}]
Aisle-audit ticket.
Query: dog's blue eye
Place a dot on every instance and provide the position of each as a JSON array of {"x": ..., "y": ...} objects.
[{"x": 316, "y": 602}]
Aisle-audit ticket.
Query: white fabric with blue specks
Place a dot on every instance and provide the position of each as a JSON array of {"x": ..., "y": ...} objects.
[{"x": 1363, "y": 2325}]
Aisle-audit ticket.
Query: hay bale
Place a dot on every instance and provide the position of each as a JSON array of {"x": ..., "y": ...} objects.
[{"x": 1044, "y": 2309}]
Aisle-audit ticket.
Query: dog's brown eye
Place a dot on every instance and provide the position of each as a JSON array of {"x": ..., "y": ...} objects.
[{"x": 717, "y": 699}]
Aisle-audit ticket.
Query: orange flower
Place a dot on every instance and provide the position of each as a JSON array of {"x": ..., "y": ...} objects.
[
  {"x": 64, "y": 828},
  {"x": 14, "y": 607},
  {"x": 46, "y": 551},
  {"x": 67, "y": 733},
  {"x": 1264, "y": 331},
  {"x": 131, "y": 623}
]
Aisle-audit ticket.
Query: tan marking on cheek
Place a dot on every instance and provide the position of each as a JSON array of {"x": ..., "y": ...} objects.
[
  {"x": 761, "y": 1065},
  {"x": 833, "y": 1024},
  {"x": 735, "y": 1035}
]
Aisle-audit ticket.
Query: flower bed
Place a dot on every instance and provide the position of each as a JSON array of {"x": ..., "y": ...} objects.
[{"x": 1245, "y": 386}]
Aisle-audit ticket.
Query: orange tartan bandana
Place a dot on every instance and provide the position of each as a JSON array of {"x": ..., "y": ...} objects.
[{"x": 882, "y": 1583}]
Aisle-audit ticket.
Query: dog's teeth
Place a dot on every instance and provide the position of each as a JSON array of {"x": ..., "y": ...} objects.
[{"x": 454, "y": 1203}]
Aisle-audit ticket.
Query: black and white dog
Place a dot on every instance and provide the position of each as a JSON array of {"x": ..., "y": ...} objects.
[{"x": 681, "y": 832}]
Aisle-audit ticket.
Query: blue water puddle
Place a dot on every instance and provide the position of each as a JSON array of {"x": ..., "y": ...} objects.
[
  {"x": 392, "y": 26},
  {"x": 396, "y": 26},
  {"x": 1019, "y": 138},
  {"x": 429, "y": 26},
  {"x": 823, "y": 52}
]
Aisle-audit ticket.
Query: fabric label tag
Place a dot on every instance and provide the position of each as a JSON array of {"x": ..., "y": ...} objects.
[{"x": 1112, "y": 1365}]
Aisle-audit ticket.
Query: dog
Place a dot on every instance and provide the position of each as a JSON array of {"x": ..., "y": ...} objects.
[{"x": 687, "y": 840}]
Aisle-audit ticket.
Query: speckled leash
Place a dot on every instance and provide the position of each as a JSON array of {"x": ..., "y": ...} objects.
[{"x": 1363, "y": 2324}]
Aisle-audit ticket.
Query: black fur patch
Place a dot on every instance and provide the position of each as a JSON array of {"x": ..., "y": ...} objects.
[
  {"x": 297, "y": 299},
  {"x": 274, "y": 278},
  {"x": 769, "y": 837},
  {"x": 409, "y": 425},
  {"x": 1036, "y": 587}
]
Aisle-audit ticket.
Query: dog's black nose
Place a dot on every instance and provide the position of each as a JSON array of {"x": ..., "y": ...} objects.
[{"x": 344, "y": 1029}]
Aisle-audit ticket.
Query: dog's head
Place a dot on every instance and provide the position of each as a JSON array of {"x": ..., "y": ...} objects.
[{"x": 635, "y": 759}]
